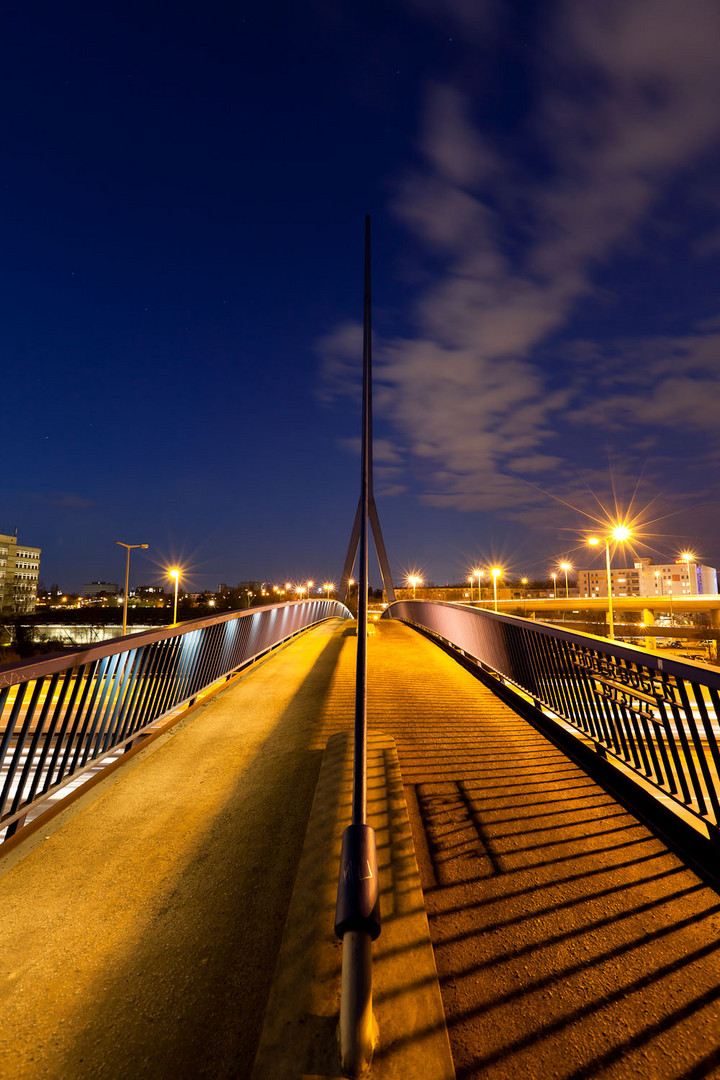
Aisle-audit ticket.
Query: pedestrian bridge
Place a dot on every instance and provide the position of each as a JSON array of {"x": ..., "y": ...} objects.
[{"x": 562, "y": 793}]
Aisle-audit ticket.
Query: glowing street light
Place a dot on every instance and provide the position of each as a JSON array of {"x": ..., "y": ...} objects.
[
  {"x": 309, "y": 586},
  {"x": 413, "y": 582},
  {"x": 688, "y": 557},
  {"x": 496, "y": 572},
  {"x": 554, "y": 577},
  {"x": 470, "y": 579},
  {"x": 328, "y": 586},
  {"x": 620, "y": 534},
  {"x": 128, "y": 548},
  {"x": 479, "y": 575},
  {"x": 175, "y": 574},
  {"x": 566, "y": 566}
]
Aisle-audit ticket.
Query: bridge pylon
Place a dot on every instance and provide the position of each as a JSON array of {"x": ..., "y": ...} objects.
[{"x": 374, "y": 520}]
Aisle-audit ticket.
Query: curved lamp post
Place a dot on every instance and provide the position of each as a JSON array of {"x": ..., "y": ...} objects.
[
  {"x": 175, "y": 575},
  {"x": 128, "y": 548},
  {"x": 496, "y": 572},
  {"x": 688, "y": 557},
  {"x": 619, "y": 533},
  {"x": 479, "y": 575}
]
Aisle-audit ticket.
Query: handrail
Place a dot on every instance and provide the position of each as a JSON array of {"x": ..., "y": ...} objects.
[
  {"x": 658, "y": 715},
  {"x": 59, "y": 715}
]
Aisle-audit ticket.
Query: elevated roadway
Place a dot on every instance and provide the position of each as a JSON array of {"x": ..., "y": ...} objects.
[
  {"x": 662, "y": 605},
  {"x": 142, "y": 925}
]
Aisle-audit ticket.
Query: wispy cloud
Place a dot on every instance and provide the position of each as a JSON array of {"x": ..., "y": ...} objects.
[
  {"x": 67, "y": 500},
  {"x": 625, "y": 107}
]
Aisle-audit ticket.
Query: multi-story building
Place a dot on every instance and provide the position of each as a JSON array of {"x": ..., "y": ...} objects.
[
  {"x": 100, "y": 588},
  {"x": 646, "y": 578},
  {"x": 19, "y": 573}
]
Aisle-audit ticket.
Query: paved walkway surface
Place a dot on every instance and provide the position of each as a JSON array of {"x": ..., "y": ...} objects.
[{"x": 139, "y": 938}]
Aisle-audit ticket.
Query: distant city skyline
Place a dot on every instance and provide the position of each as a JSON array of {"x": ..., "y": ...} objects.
[{"x": 183, "y": 211}]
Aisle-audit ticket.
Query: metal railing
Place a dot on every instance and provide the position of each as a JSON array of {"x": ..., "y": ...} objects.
[
  {"x": 659, "y": 716},
  {"x": 60, "y": 715}
]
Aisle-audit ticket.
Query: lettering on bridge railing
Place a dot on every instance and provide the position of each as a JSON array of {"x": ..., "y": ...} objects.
[{"x": 631, "y": 687}]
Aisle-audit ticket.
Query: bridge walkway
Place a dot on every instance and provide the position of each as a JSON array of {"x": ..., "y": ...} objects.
[{"x": 141, "y": 927}]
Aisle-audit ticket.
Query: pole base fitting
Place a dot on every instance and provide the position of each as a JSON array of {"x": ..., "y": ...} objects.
[{"x": 358, "y": 898}]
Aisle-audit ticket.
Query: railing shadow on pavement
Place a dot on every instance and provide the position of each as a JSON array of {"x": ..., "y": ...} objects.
[{"x": 655, "y": 717}]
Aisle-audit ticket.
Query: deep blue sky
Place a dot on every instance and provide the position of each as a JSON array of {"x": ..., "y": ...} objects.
[{"x": 183, "y": 200}]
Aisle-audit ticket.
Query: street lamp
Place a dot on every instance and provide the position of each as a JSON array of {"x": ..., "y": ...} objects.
[
  {"x": 566, "y": 566},
  {"x": 619, "y": 533},
  {"x": 470, "y": 579},
  {"x": 128, "y": 548},
  {"x": 309, "y": 586},
  {"x": 554, "y": 577},
  {"x": 175, "y": 574},
  {"x": 688, "y": 557},
  {"x": 479, "y": 576},
  {"x": 496, "y": 572},
  {"x": 328, "y": 585},
  {"x": 414, "y": 582}
]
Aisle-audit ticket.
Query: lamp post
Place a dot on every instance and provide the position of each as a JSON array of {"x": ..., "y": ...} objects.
[
  {"x": 688, "y": 557},
  {"x": 479, "y": 576},
  {"x": 328, "y": 585},
  {"x": 619, "y": 533},
  {"x": 470, "y": 579},
  {"x": 496, "y": 572},
  {"x": 566, "y": 566},
  {"x": 554, "y": 577},
  {"x": 128, "y": 548},
  {"x": 175, "y": 574},
  {"x": 414, "y": 581}
]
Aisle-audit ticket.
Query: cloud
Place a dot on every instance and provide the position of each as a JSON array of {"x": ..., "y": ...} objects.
[
  {"x": 483, "y": 389},
  {"x": 70, "y": 501}
]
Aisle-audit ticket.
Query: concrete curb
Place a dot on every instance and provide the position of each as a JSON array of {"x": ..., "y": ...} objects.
[{"x": 299, "y": 1034}]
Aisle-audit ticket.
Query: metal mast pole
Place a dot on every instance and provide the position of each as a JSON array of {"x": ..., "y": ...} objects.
[
  {"x": 359, "y": 803},
  {"x": 357, "y": 915}
]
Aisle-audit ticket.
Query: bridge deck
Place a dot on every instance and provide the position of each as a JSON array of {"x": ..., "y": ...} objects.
[{"x": 141, "y": 929}]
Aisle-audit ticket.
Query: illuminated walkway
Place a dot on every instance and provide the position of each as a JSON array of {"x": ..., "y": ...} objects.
[{"x": 141, "y": 930}]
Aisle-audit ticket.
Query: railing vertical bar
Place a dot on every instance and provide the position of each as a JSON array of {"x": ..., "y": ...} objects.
[
  {"x": 20, "y": 747},
  {"x": 103, "y": 706},
  {"x": 88, "y": 720},
  {"x": 15, "y": 711},
  {"x": 703, "y": 792},
  {"x": 58, "y": 711},
  {"x": 137, "y": 663},
  {"x": 70, "y": 715},
  {"x": 116, "y": 722},
  {"x": 712, "y": 749}
]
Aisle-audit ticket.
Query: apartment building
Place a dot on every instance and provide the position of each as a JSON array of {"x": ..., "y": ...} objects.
[
  {"x": 646, "y": 578},
  {"x": 19, "y": 574}
]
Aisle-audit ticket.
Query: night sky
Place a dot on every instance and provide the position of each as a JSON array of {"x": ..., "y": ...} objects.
[{"x": 183, "y": 200}]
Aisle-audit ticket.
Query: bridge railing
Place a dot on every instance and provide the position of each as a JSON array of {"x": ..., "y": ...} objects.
[
  {"x": 58, "y": 716},
  {"x": 656, "y": 714}
]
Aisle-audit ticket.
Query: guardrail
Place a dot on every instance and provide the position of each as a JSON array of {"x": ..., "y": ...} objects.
[
  {"x": 58, "y": 716},
  {"x": 659, "y": 716}
]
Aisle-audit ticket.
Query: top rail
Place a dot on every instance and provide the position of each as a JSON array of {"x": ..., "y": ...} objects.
[
  {"x": 59, "y": 715},
  {"x": 658, "y": 715}
]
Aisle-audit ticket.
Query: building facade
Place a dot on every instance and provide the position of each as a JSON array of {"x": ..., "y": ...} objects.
[
  {"x": 19, "y": 574},
  {"x": 100, "y": 588},
  {"x": 646, "y": 578}
]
